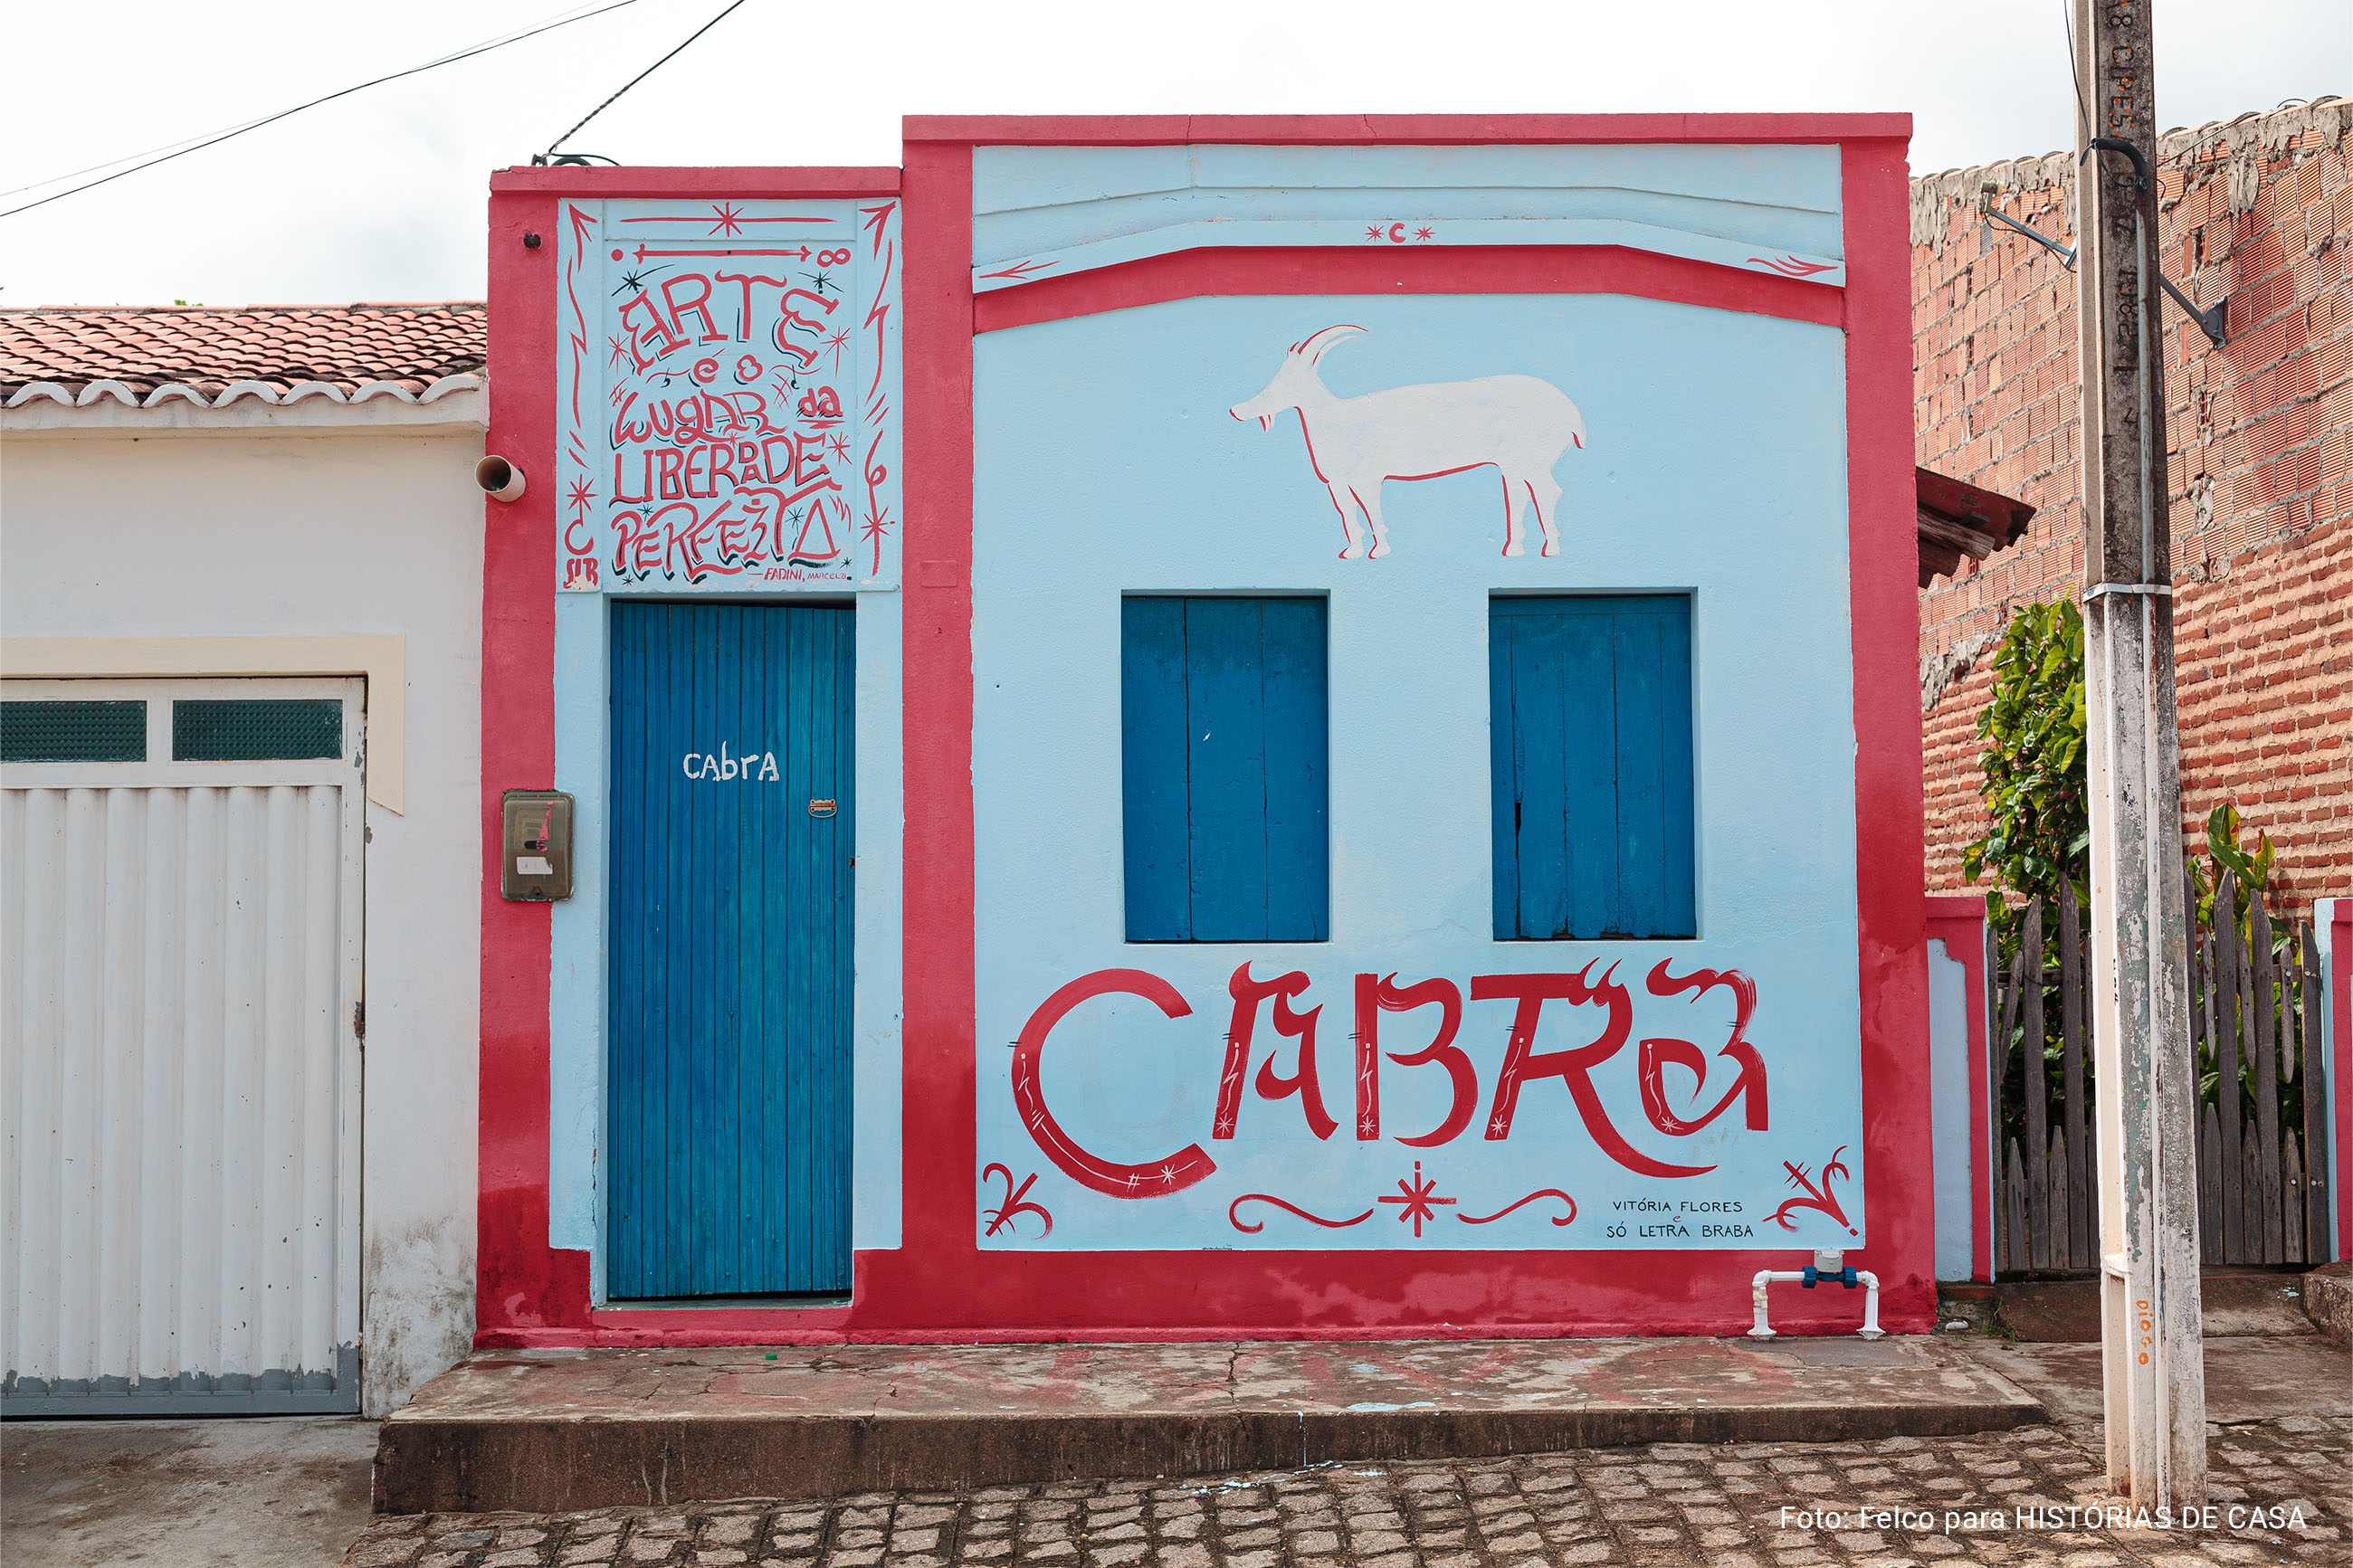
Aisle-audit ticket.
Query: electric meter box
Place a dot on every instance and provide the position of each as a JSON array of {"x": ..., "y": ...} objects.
[{"x": 536, "y": 850}]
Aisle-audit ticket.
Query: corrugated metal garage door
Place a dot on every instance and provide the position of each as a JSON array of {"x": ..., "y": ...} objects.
[{"x": 179, "y": 1020}]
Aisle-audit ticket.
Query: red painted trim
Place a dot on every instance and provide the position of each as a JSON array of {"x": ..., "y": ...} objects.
[
  {"x": 2340, "y": 1007},
  {"x": 783, "y": 184},
  {"x": 1961, "y": 921},
  {"x": 943, "y": 1294},
  {"x": 1464, "y": 270},
  {"x": 1367, "y": 129},
  {"x": 520, "y": 1281},
  {"x": 813, "y": 1325},
  {"x": 936, "y": 1125},
  {"x": 1890, "y": 855}
]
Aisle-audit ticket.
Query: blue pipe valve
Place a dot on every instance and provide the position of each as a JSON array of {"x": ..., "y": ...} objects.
[{"x": 1826, "y": 1277}]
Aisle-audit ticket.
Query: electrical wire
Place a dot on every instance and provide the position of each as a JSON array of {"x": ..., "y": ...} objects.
[
  {"x": 2076, "y": 72},
  {"x": 635, "y": 79},
  {"x": 188, "y": 142},
  {"x": 181, "y": 149}
]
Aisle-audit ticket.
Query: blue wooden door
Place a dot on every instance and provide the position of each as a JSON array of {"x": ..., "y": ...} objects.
[
  {"x": 731, "y": 836},
  {"x": 1590, "y": 701}
]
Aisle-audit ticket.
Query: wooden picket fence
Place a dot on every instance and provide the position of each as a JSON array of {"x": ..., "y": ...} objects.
[{"x": 2262, "y": 1156}]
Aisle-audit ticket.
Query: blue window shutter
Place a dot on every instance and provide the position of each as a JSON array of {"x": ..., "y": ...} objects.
[
  {"x": 1591, "y": 706},
  {"x": 1225, "y": 708},
  {"x": 1155, "y": 785},
  {"x": 1298, "y": 842},
  {"x": 1224, "y": 742},
  {"x": 1654, "y": 787}
]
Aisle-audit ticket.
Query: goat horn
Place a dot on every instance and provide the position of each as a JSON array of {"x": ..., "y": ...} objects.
[{"x": 1315, "y": 347}]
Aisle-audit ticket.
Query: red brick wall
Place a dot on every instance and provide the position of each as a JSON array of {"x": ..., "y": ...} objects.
[{"x": 2261, "y": 435}]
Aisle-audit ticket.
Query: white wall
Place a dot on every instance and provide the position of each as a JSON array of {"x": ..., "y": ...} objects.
[{"x": 318, "y": 532}]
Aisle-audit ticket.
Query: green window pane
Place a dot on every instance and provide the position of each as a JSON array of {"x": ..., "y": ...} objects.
[
  {"x": 258, "y": 730},
  {"x": 73, "y": 731}
]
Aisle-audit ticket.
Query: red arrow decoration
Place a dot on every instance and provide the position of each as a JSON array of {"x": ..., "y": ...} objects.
[{"x": 800, "y": 255}]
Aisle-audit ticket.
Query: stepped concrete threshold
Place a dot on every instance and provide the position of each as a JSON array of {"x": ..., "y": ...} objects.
[{"x": 558, "y": 1430}]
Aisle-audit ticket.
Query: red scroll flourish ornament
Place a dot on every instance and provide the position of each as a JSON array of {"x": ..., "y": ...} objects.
[
  {"x": 1418, "y": 1203},
  {"x": 1233, "y": 1213},
  {"x": 1016, "y": 1201},
  {"x": 1821, "y": 1199},
  {"x": 1545, "y": 1193},
  {"x": 1791, "y": 266}
]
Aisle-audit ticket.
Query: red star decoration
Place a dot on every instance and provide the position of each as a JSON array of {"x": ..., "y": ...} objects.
[
  {"x": 1416, "y": 1201},
  {"x": 1425, "y": 234},
  {"x": 1373, "y": 231},
  {"x": 728, "y": 215}
]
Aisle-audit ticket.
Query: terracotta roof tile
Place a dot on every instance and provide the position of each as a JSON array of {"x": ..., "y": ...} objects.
[{"x": 210, "y": 349}]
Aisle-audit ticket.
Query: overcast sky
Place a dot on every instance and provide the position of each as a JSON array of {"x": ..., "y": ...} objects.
[{"x": 380, "y": 196}]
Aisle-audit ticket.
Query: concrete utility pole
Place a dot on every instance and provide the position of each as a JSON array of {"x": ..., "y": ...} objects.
[{"x": 2151, "y": 1323}]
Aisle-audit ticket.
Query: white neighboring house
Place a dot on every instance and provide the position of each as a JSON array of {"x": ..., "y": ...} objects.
[{"x": 240, "y": 854}]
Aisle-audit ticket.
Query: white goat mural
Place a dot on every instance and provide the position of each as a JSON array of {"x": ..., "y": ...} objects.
[{"x": 1518, "y": 425}]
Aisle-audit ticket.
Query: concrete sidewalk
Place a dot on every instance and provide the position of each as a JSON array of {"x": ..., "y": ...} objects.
[
  {"x": 556, "y": 1430},
  {"x": 238, "y": 1491},
  {"x": 2280, "y": 1445}
]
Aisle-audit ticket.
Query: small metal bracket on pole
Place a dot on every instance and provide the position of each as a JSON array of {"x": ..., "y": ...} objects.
[
  {"x": 1985, "y": 204},
  {"x": 2209, "y": 321}
]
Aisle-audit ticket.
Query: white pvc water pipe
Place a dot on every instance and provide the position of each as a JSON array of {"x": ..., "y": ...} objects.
[{"x": 1825, "y": 1275}]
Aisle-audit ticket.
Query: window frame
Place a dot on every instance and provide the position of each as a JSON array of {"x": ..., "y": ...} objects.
[
  {"x": 1686, "y": 852},
  {"x": 1315, "y": 886}
]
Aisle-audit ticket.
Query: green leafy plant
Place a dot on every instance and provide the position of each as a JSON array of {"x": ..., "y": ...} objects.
[
  {"x": 2250, "y": 871},
  {"x": 2036, "y": 789},
  {"x": 2251, "y": 874},
  {"x": 2034, "y": 764}
]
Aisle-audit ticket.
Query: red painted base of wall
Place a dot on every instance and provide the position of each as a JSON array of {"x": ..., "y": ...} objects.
[{"x": 1018, "y": 1299}]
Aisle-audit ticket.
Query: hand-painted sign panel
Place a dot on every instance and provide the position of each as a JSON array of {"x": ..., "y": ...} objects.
[
  {"x": 728, "y": 393},
  {"x": 1423, "y": 1077},
  {"x": 1524, "y": 1095}
]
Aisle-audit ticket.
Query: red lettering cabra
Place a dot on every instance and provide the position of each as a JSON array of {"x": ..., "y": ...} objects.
[
  {"x": 1375, "y": 994},
  {"x": 1151, "y": 1179}
]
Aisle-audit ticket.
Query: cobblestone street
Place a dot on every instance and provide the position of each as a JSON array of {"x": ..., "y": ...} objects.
[{"x": 1766, "y": 1505}]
